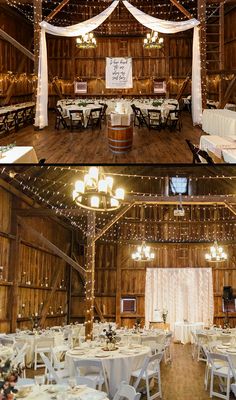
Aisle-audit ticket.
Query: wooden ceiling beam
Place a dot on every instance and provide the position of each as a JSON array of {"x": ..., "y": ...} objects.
[
  {"x": 182, "y": 9},
  {"x": 56, "y": 10}
]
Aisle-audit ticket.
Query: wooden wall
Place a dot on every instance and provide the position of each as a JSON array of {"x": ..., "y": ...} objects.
[
  {"x": 29, "y": 268},
  {"x": 131, "y": 276}
]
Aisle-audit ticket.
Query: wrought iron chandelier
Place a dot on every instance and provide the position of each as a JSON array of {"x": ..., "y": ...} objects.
[
  {"x": 95, "y": 191},
  {"x": 143, "y": 253},
  {"x": 153, "y": 41},
  {"x": 216, "y": 254},
  {"x": 86, "y": 41}
]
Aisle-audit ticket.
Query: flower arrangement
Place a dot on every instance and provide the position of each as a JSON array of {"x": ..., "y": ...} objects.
[
  {"x": 110, "y": 335},
  {"x": 164, "y": 315},
  {"x": 8, "y": 377},
  {"x": 137, "y": 325},
  {"x": 157, "y": 103}
]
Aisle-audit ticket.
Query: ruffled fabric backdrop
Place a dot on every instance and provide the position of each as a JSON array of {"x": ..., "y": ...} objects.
[{"x": 187, "y": 294}]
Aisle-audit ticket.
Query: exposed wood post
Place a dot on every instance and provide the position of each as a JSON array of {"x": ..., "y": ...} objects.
[
  {"x": 221, "y": 49},
  {"x": 182, "y": 9},
  {"x": 14, "y": 272},
  {"x": 202, "y": 19},
  {"x": 167, "y": 54},
  {"x": 90, "y": 275},
  {"x": 118, "y": 285},
  {"x": 37, "y": 20},
  {"x": 229, "y": 92}
]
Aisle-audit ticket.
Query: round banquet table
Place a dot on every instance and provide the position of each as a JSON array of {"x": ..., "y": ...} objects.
[
  {"x": 182, "y": 331},
  {"x": 48, "y": 392},
  {"x": 118, "y": 364}
]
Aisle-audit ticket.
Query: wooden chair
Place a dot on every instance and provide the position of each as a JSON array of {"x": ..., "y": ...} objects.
[
  {"x": 94, "y": 119},
  {"x": 60, "y": 120},
  {"x": 20, "y": 118},
  {"x": 3, "y": 123},
  {"x": 173, "y": 120},
  {"x": 211, "y": 106},
  {"x": 197, "y": 153},
  {"x": 76, "y": 119},
  {"x": 138, "y": 116},
  {"x": 29, "y": 115},
  {"x": 104, "y": 109},
  {"x": 154, "y": 119}
]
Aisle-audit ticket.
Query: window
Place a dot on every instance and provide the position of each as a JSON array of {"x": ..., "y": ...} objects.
[
  {"x": 128, "y": 305},
  {"x": 178, "y": 185}
]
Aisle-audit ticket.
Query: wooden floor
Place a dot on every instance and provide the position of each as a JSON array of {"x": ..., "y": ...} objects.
[
  {"x": 91, "y": 146},
  {"x": 183, "y": 379}
]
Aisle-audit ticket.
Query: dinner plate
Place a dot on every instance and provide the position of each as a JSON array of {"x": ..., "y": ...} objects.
[
  {"x": 76, "y": 352},
  {"x": 223, "y": 346},
  {"x": 102, "y": 355},
  {"x": 231, "y": 350}
]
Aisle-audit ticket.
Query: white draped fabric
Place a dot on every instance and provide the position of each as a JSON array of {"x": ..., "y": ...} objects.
[
  {"x": 41, "y": 118},
  {"x": 163, "y": 26},
  {"x": 187, "y": 294}
]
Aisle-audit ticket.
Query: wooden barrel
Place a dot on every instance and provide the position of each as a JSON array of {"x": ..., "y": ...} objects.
[{"x": 120, "y": 138}]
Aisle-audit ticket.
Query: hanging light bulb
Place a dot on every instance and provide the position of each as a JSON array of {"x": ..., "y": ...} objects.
[
  {"x": 216, "y": 254},
  {"x": 143, "y": 253}
]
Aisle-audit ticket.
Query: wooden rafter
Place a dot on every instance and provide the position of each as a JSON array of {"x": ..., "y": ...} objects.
[
  {"x": 113, "y": 221},
  {"x": 182, "y": 9},
  {"x": 56, "y": 10},
  {"x": 16, "y": 44}
]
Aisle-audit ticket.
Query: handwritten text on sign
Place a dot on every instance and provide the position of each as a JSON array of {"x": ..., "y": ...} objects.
[{"x": 119, "y": 73}]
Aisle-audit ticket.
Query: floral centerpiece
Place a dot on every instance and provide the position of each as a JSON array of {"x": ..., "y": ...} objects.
[
  {"x": 110, "y": 336},
  {"x": 157, "y": 103},
  {"x": 8, "y": 377},
  {"x": 137, "y": 325},
  {"x": 164, "y": 315}
]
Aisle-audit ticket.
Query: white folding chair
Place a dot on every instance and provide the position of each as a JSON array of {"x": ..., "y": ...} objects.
[
  {"x": 150, "y": 369},
  {"x": 224, "y": 374},
  {"x": 84, "y": 380},
  {"x": 167, "y": 352},
  {"x": 60, "y": 377},
  {"x": 232, "y": 363},
  {"x": 154, "y": 346},
  {"x": 58, "y": 356},
  {"x": 19, "y": 358},
  {"x": 202, "y": 340},
  {"x": 42, "y": 345},
  {"x": 94, "y": 370},
  {"x": 126, "y": 391}
]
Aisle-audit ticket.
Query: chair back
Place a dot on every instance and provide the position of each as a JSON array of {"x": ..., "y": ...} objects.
[
  {"x": 44, "y": 343},
  {"x": 84, "y": 380},
  {"x": 232, "y": 364},
  {"x": 76, "y": 115},
  {"x": 126, "y": 391},
  {"x": 211, "y": 106},
  {"x": 49, "y": 367},
  {"x": 214, "y": 357},
  {"x": 20, "y": 356},
  {"x": 197, "y": 153}
]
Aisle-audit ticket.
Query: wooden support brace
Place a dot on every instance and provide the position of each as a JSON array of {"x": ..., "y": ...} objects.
[
  {"x": 230, "y": 90},
  {"x": 182, "y": 9},
  {"x": 56, "y": 10},
  {"x": 16, "y": 44}
]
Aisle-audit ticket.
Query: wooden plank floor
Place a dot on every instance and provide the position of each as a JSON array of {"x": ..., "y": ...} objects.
[
  {"x": 91, "y": 146},
  {"x": 183, "y": 379}
]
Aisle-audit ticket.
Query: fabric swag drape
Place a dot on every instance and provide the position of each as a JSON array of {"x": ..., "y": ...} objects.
[
  {"x": 41, "y": 119},
  {"x": 163, "y": 26},
  {"x": 187, "y": 294}
]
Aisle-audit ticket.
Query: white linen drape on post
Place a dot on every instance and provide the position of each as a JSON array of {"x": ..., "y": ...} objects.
[
  {"x": 187, "y": 294},
  {"x": 41, "y": 118},
  {"x": 163, "y": 26}
]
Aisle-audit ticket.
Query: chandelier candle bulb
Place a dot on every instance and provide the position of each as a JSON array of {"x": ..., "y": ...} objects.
[
  {"x": 93, "y": 173},
  {"x": 102, "y": 186},
  {"x": 95, "y": 201},
  {"x": 109, "y": 181},
  {"x": 120, "y": 194},
  {"x": 79, "y": 186}
]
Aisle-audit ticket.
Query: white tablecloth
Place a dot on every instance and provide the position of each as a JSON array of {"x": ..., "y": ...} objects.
[
  {"x": 182, "y": 331},
  {"x": 229, "y": 156},
  {"x": 19, "y": 154},
  {"x": 118, "y": 364},
  {"x": 216, "y": 144},
  {"x": 219, "y": 122},
  {"x": 15, "y": 107},
  {"x": 48, "y": 392}
]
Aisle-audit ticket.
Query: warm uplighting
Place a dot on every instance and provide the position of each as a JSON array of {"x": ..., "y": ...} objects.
[
  {"x": 86, "y": 41},
  {"x": 143, "y": 253},
  {"x": 153, "y": 41},
  {"x": 95, "y": 191},
  {"x": 216, "y": 254}
]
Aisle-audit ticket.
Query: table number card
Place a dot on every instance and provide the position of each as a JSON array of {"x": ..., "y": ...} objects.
[{"x": 119, "y": 73}]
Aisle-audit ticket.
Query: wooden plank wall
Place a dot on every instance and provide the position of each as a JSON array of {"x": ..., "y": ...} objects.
[
  {"x": 166, "y": 256},
  {"x": 35, "y": 267}
]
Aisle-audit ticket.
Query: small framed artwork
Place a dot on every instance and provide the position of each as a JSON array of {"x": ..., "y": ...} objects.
[
  {"x": 81, "y": 87},
  {"x": 159, "y": 87}
]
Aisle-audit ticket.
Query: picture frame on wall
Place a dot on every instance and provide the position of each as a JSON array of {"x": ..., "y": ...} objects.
[
  {"x": 81, "y": 87},
  {"x": 159, "y": 87}
]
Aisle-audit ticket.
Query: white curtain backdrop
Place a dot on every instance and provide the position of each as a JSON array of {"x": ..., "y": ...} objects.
[
  {"x": 187, "y": 294},
  {"x": 163, "y": 26},
  {"x": 41, "y": 118}
]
